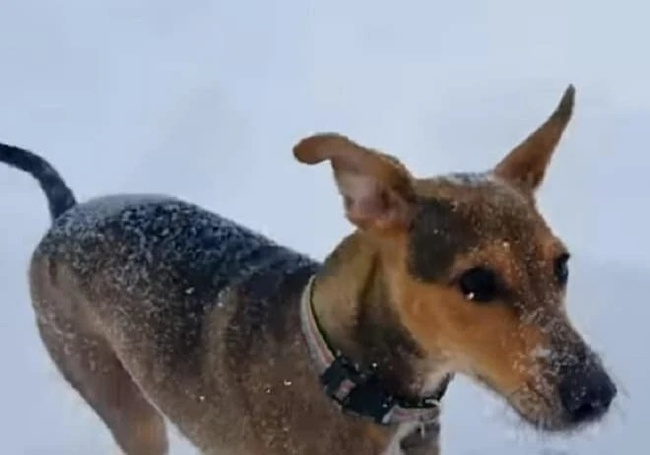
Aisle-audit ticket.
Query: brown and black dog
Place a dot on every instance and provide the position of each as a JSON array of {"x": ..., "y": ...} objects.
[{"x": 151, "y": 306}]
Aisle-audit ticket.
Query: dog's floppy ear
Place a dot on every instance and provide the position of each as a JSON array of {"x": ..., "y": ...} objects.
[
  {"x": 377, "y": 189},
  {"x": 526, "y": 164}
]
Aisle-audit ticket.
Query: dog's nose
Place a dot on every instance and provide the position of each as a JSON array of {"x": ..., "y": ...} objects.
[{"x": 586, "y": 392}]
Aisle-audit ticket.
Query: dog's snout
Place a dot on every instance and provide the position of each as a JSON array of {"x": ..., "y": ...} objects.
[{"x": 586, "y": 391}]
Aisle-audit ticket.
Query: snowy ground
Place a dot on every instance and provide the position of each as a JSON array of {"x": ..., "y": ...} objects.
[{"x": 204, "y": 99}]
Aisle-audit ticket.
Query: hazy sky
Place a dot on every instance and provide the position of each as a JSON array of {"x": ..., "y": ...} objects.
[{"x": 204, "y": 100}]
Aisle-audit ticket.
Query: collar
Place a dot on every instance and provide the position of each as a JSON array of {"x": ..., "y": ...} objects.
[{"x": 359, "y": 391}]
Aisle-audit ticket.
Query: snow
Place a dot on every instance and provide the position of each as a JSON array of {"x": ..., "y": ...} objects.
[{"x": 203, "y": 100}]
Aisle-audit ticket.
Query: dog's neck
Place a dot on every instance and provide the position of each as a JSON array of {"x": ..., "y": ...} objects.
[{"x": 352, "y": 304}]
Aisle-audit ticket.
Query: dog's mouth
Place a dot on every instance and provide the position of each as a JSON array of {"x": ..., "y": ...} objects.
[
  {"x": 542, "y": 407},
  {"x": 539, "y": 410}
]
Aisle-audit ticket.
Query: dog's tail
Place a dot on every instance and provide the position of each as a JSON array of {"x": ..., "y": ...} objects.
[{"x": 59, "y": 197}]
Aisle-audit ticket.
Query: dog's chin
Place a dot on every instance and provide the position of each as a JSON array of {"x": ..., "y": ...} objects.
[
  {"x": 548, "y": 419},
  {"x": 544, "y": 420},
  {"x": 539, "y": 411}
]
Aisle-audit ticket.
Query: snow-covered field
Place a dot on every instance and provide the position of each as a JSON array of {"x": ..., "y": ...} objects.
[{"x": 204, "y": 100}]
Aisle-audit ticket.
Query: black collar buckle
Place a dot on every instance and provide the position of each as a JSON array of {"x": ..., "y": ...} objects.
[{"x": 357, "y": 392}]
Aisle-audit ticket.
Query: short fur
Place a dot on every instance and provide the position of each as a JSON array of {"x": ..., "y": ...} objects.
[{"x": 151, "y": 306}]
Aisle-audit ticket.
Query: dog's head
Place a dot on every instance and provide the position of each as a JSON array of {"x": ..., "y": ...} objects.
[{"x": 476, "y": 275}]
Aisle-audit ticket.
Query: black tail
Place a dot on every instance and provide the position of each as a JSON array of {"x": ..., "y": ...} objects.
[{"x": 59, "y": 197}]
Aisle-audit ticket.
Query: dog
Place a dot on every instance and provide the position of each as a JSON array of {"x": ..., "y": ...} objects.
[{"x": 157, "y": 310}]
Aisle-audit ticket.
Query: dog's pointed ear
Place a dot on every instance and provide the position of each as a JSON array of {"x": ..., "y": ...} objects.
[
  {"x": 526, "y": 164},
  {"x": 377, "y": 189}
]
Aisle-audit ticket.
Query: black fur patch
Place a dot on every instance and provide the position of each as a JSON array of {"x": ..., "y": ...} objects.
[{"x": 438, "y": 233}]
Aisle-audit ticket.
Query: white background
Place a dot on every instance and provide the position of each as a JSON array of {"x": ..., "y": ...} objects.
[{"x": 204, "y": 99}]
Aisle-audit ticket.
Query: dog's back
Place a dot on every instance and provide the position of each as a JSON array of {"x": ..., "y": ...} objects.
[
  {"x": 167, "y": 285},
  {"x": 149, "y": 296},
  {"x": 172, "y": 261}
]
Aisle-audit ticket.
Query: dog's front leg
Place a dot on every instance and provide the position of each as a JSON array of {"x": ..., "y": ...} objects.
[
  {"x": 421, "y": 440},
  {"x": 415, "y": 439}
]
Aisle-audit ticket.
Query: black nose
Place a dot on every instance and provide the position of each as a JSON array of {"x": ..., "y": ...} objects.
[{"x": 586, "y": 392}]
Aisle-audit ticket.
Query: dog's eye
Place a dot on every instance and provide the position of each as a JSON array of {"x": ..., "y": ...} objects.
[
  {"x": 479, "y": 284},
  {"x": 561, "y": 269}
]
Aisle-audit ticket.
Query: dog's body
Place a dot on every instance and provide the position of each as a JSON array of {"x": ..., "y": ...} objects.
[
  {"x": 163, "y": 279},
  {"x": 152, "y": 306}
]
